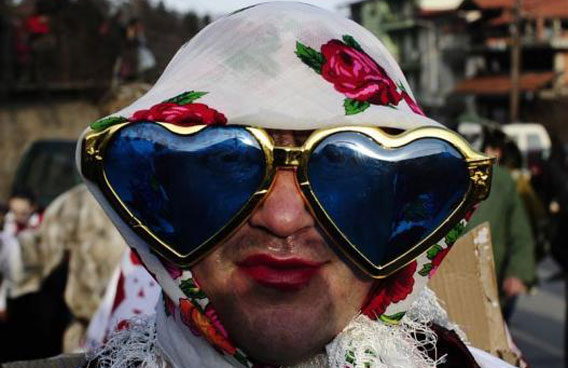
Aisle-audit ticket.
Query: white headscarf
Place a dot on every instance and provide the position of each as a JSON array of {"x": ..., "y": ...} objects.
[
  {"x": 276, "y": 65},
  {"x": 247, "y": 63}
]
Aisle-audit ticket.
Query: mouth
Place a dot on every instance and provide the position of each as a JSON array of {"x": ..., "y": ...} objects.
[{"x": 285, "y": 274}]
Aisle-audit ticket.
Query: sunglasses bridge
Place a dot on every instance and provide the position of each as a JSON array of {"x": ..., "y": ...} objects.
[{"x": 287, "y": 156}]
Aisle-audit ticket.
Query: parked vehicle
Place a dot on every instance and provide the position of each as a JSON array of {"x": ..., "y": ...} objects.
[
  {"x": 473, "y": 133},
  {"x": 532, "y": 139},
  {"x": 47, "y": 169}
]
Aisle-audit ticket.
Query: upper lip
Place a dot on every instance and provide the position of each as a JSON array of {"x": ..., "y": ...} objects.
[{"x": 278, "y": 263}]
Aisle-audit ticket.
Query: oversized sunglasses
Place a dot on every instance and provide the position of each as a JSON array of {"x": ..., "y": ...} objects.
[{"x": 381, "y": 199}]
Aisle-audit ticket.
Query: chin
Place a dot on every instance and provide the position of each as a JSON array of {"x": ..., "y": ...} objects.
[
  {"x": 284, "y": 331},
  {"x": 283, "y": 317},
  {"x": 283, "y": 337}
]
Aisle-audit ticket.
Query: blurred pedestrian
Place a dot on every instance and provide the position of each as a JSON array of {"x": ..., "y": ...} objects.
[
  {"x": 21, "y": 224},
  {"x": 3, "y": 334},
  {"x": 22, "y": 212},
  {"x": 22, "y": 51},
  {"x": 43, "y": 44},
  {"x": 513, "y": 244},
  {"x": 553, "y": 185},
  {"x": 6, "y": 48},
  {"x": 112, "y": 31},
  {"x": 80, "y": 226},
  {"x": 3, "y": 211},
  {"x": 129, "y": 59},
  {"x": 513, "y": 160}
]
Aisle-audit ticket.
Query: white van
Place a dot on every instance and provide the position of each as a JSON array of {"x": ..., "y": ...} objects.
[
  {"x": 473, "y": 133},
  {"x": 531, "y": 138}
]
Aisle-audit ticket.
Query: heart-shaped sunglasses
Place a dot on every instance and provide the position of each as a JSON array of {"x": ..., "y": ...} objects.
[{"x": 381, "y": 199}]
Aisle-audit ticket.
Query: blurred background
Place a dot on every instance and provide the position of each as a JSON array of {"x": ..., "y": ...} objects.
[{"x": 494, "y": 70}]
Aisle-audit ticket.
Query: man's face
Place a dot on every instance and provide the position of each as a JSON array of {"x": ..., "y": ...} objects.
[
  {"x": 21, "y": 208},
  {"x": 280, "y": 290},
  {"x": 494, "y": 151}
]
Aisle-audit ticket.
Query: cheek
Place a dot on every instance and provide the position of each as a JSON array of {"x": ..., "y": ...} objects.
[
  {"x": 213, "y": 274},
  {"x": 348, "y": 289}
]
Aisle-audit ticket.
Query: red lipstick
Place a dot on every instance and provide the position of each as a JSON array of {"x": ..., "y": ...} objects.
[{"x": 286, "y": 274}]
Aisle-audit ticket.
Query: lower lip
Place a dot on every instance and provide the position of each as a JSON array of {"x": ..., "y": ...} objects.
[{"x": 284, "y": 279}]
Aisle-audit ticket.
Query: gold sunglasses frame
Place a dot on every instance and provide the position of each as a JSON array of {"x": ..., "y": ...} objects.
[{"x": 479, "y": 167}]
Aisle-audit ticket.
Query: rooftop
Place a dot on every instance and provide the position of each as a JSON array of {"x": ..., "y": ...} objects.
[
  {"x": 531, "y": 8},
  {"x": 502, "y": 85}
]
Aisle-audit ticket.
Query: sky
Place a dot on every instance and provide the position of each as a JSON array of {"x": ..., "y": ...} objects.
[{"x": 221, "y": 7}]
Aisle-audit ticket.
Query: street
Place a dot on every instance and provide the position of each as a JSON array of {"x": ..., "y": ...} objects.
[{"x": 538, "y": 323}]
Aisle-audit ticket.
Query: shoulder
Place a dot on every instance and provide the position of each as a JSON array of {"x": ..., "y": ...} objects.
[
  {"x": 502, "y": 177},
  {"x": 486, "y": 360},
  {"x": 60, "y": 361},
  {"x": 459, "y": 355}
]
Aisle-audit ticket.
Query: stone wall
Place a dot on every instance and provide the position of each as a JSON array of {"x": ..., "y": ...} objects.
[{"x": 22, "y": 122}]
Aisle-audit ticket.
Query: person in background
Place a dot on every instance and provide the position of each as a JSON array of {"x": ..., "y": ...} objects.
[
  {"x": 3, "y": 211},
  {"x": 537, "y": 214},
  {"x": 17, "y": 292},
  {"x": 553, "y": 188},
  {"x": 129, "y": 60},
  {"x": 22, "y": 212},
  {"x": 42, "y": 42},
  {"x": 62, "y": 266},
  {"x": 3, "y": 335},
  {"x": 81, "y": 227},
  {"x": 513, "y": 244}
]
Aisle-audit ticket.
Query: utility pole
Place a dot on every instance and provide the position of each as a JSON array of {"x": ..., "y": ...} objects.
[{"x": 515, "y": 61}]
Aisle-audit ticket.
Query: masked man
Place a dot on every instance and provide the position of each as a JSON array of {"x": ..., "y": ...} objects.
[{"x": 290, "y": 197}]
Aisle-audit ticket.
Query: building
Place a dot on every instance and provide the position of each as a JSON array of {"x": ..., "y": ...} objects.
[
  {"x": 429, "y": 40},
  {"x": 457, "y": 55},
  {"x": 543, "y": 81}
]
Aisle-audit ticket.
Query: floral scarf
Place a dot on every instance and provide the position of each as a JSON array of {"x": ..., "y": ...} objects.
[{"x": 277, "y": 65}]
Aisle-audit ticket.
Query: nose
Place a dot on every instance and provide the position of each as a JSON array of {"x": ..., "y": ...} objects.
[{"x": 283, "y": 212}]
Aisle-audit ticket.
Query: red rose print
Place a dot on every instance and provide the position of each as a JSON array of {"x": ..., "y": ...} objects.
[
  {"x": 412, "y": 104},
  {"x": 122, "y": 325},
  {"x": 184, "y": 115},
  {"x": 186, "y": 308},
  {"x": 471, "y": 211},
  {"x": 135, "y": 258},
  {"x": 356, "y": 75},
  {"x": 180, "y": 110},
  {"x": 169, "y": 305},
  {"x": 211, "y": 313},
  {"x": 393, "y": 289},
  {"x": 437, "y": 260},
  {"x": 195, "y": 320},
  {"x": 174, "y": 271},
  {"x": 120, "y": 293}
]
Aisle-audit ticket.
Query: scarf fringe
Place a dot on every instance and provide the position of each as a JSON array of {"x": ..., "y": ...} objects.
[
  {"x": 366, "y": 343},
  {"x": 427, "y": 309},
  {"x": 363, "y": 343},
  {"x": 132, "y": 347}
]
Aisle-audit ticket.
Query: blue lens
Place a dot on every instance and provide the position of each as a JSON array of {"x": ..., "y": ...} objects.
[
  {"x": 383, "y": 200},
  {"x": 184, "y": 188}
]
